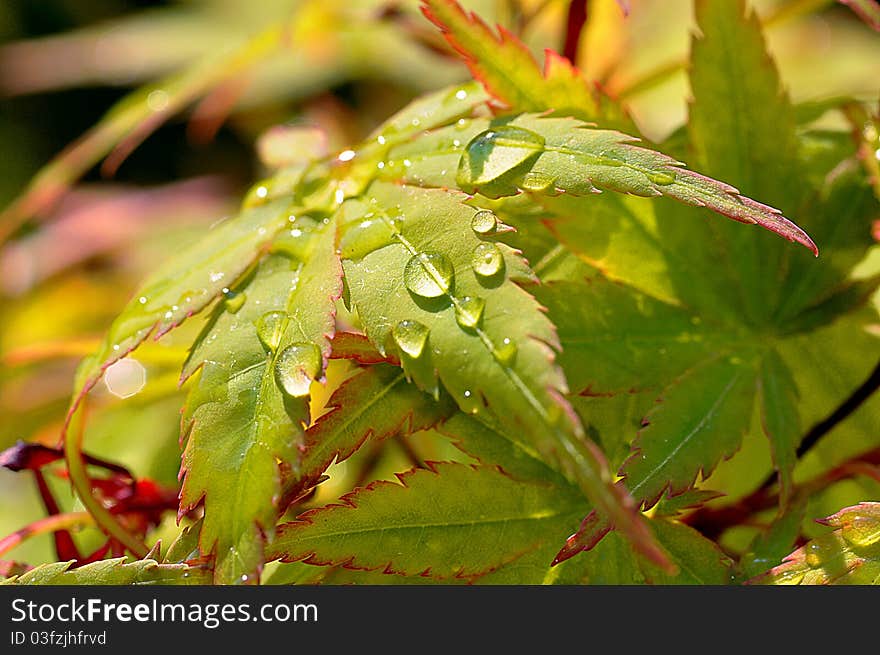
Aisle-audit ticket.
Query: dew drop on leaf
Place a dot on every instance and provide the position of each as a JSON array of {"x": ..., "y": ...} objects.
[
  {"x": 410, "y": 336},
  {"x": 663, "y": 179},
  {"x": 469, "y": 311},
  {"x": 428, "y": 274},
  {"x": 233, "y": 301},
  {"x": 484, "y": 222},
  {"x": 537, "y": 182},
  {"x": 494, "y": 152},
  {"x": 296, "y": 367},
  {"x": 505, "y": 351},
  {"x": 360, "y": 238},
  {"x": 270, "y": 327},
  {"x": 295, "y": 243},
  {"x": 813, "y": 554},
  {"x": 487, "y": 260}
]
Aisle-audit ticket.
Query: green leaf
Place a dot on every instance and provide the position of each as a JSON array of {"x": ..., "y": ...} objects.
[
  {"x": 449, "y": 300},
  {"x": 770, "y": 547},
  {"x": 544, "y": 155},
  {"x": 511, "y": 75},
  {"x": 742, "y": 130},
  {"x": 848, "y": 555},
  {"x": 698, "y": 560},
  {"x": 779, "y": 418},
  {"x": 119, "y": 571},
  {"x": 453, "y": 521},
  {"x": 183, "y": 286},
  {"x": 617, "y": 340},
  {"x": 698, "y": 420},
  {"x": 376, "y": 403},
  {"x": 487, "y": 442},
  {"x": 244, "y": 418}
]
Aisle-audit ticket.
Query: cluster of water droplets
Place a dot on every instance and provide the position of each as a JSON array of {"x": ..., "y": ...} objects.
[
  {"x": 431, "y": 275},
  {"x": 297, "y": 364}
]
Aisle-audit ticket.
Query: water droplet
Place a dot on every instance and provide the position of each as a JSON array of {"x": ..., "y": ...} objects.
[
  {"x": 813, "y": 554},
  {"x": 469, "y": 311},
  {"x": 381, "y": 139},
  {"x": 360, "y": 238},
  {"x": 505, "y": 351},
  {"x": 244, "y": 578},
  {"x": 661, "y": 178},
  {"x": 410, "y": 336},
  {"x": 487, "y": 260},
  {"x": 428, "y": 274},
  {"x": 536, "y": 182},
  {"x": 142, "y": 300},
  {"x": 296, "y": 367},
  {"x": 346, "y": 155},
  {"x": 270, "y": 327},
  {"x": 460, "y": 124},
  {"x": 296, "y": 243},
  {"x": 484, "y": 222},
  {"x": 216, "y": 277},
  {"x": 467, "y": 393},
  {"x": 494, "y": 152},
  {"x": 407, "y": 163},
  {"x": 233, "y": 300},
  {"x": 461, "y": 94},
  {"x": 125, "y": 377}
]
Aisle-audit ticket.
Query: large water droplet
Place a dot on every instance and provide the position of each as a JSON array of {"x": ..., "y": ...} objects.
[
  {"x": 536, "y": 182},
  {"x": 484, "y": 222},
  {"x": 295, "y": 243},
  {"x": 469, "y": 311},
  {"x": 233, "y": 301},
  {"x": 494, "y": 152},
  {"x": 505, "y": 350},
  {"x": 487, "y": 260},
  {"x": 410, "y": 336},
  {"x": 296, "y": 367},
  {"x": 428, "y": 274},
  {"x": 270, "y": 327},
  {"x": 360, "y": 238},
  {"x": 661, "y": 178}
]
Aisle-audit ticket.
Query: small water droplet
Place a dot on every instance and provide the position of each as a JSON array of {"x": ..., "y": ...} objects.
[
  {"x": 469, "y": 311},
  {"x": 461, "y": 94},
  {"x": 661, "y": 178},
  {"x": 233, "y": 300},
  {"x": 460, "y": 124},
  {"x": 484, "y": 222},
  {"x": 360, "y": 238},
  {"x": 270, "y": 327},
  {"x": 813, "y": 554},
  {"x": 536, "y": 182},
  {"x": 217, "y": 276},
  {"x": 407, "y": 163},
  {"x": 505, "y": 351},
  {"x": 295, "y": 243},
  {"x": 381, "y": 139},
  {"x": 410, "y": 336},
  {"x": 467, "y": 393},
  {"x": 487, "y": 259},
  {"x": 296, "y": 367},
  {"x": 428, "y": 274},
  {"x": 142, "y": 300},
  {"x": 346, "y": 155},
  {"x": 244, "y": 577}
]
